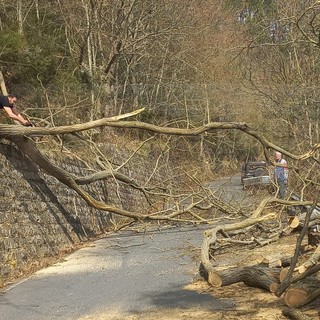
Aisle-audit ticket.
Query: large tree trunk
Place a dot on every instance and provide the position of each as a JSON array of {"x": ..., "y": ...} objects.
[{"x": 258, "y": 276}]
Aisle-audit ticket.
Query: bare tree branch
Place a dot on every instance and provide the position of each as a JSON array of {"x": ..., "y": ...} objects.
[{"x": 7, "y": 131}]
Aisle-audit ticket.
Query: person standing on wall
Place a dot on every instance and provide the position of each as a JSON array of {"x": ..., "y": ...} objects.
[
  {"x": 8, "y": 104},
  {"x": 281, "y": 174}
]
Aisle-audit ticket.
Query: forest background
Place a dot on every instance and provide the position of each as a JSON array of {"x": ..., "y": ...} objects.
[{"x": 188, "y": 63}]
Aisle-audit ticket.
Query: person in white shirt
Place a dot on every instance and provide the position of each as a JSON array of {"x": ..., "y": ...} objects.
[{"x": 281, "y": 174}]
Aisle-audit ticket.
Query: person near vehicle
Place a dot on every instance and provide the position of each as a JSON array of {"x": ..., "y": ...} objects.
[
  {"x": 7, "y": 103},
  {"x": 281, "y": 174}
]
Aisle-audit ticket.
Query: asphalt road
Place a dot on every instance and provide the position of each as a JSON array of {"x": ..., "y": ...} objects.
[{"x": 125, "y": 273}]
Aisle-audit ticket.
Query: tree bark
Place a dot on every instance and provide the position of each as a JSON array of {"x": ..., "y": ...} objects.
[
  {"x": 302, "y": 293},
  {"x": 298, "y": 221},
  {"x": 295, "y": 314},
  {"x": 312, "y": 261},
  {"x": 254, "y": 276},
  {"x": 312, "y": 270},
  {"x": 211, "y": 237}
]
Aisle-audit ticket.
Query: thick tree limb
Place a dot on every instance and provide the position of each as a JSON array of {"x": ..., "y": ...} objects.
[
  {"x": 313, "y": 260},
  {"x": 295, "y": 314},
  {"x": 7, "y": 131},
  {"x": 211, "y": 237},
  {"x": 101, "y": 175},
  {"x": 287, "y": 281},
  {"x": 28, "y": 147},
  {"x": 257, "y": 276}
]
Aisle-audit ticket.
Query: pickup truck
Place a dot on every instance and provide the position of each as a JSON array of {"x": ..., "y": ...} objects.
[{"x": 255, "y": 173}]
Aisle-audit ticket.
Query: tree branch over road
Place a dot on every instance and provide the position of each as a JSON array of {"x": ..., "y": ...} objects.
[
  {"x": 9, "y": 131},
  {"x": 19, "y": 135},
  {"x": 189, "y": 210}
]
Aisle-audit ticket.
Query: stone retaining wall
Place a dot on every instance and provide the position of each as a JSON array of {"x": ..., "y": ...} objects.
[{"x": 40, "y": 217}]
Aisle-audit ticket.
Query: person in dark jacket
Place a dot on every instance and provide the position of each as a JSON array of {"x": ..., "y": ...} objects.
[{"x": 7, "y": 103}]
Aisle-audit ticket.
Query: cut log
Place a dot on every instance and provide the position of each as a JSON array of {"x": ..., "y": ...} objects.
[
  {"x": 298, "y": 221},
  {"x": 283, "y": 274},
  {"x": 277, "y": 261},
  {"x": 312, "y": 261},
  {"x": 296, "y": 276},
  {"x": 254, "y": 276},
  {"x": 294, "y": 222},
  {"x": 294, "y": 296},
  {"x": 302, "y": 292},
  {"x": 313, "y": 296},
  {"x": 295, "y": 314},
  {"x": 274, "y": 287}
]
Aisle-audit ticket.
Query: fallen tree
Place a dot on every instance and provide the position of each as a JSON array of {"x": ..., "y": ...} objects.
[
  {"x": 261, "y": 277},
  {"x": 20, "y": 136},
  {"x": 270, "y": 274}
]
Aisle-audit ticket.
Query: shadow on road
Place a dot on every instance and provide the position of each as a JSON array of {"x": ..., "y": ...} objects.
[{"x": 178, "y": 298}]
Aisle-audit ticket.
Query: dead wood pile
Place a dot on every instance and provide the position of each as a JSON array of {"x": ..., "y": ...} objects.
[{"x": 292, "y": 276}]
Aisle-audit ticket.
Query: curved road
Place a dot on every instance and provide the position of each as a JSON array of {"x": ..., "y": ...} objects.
[{"x": 123, "y": 274}]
